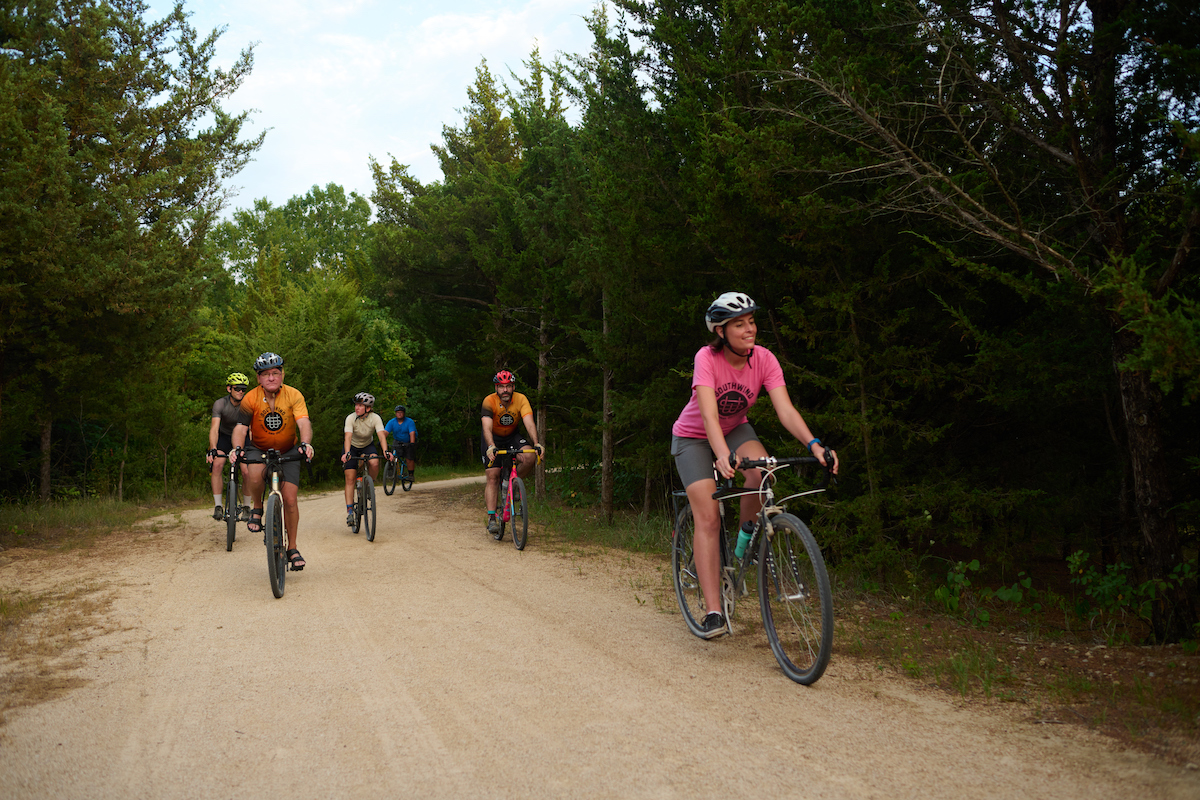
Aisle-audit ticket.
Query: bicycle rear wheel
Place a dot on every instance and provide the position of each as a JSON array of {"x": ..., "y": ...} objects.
[
  {"x": 369, "y": 507},
  {"x": 683, "y": 569},
  {"x": 276, "y": 540},
  {"x": 389, "y": 478},
  {"x": 231, "y": 512},
  {"x": 520, "y": 514},
  {"x": 796, "y": 600},
  {"x": 406, "y": 478}
]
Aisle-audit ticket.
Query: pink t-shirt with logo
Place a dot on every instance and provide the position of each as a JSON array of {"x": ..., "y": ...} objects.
[{"x": 736, "y": 389}]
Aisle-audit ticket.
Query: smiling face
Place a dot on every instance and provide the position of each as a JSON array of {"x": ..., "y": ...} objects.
[
  {"x": 236, "y": 393},
  {"x": 271, "y": 380},
  {"x": 740, "y": 332}
]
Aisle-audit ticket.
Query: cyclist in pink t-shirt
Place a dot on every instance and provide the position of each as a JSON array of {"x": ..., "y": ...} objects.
[{"x": 730, "y": 374}]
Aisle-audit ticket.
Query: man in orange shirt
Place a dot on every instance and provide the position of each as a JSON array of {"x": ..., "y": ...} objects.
[
  {"x": 500, "y": 412},
  {"x": 274, "y": 414}
]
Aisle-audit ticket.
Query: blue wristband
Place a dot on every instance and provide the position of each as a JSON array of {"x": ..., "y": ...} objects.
[{"x": 810, "y": 444}]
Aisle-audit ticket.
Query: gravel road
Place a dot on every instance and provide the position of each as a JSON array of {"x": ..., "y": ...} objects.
[{"x": 438, "y": 663}]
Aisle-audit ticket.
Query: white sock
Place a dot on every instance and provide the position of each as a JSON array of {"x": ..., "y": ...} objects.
[
  {"x": 217, "y": 500},
  {"x": 246, "y": 500}
]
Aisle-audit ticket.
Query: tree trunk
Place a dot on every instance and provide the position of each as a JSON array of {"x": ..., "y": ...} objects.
[
  {"x": 47, "y": 426},
  {"x": 606, "y": 435},
  {"x": 1141, "y": 405},
  {"x": 539, "y": 477},
  {"x": 121, "y": 471}
]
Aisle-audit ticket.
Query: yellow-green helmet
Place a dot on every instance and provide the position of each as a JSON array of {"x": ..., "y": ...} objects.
[{"x": 237, "y": 379}]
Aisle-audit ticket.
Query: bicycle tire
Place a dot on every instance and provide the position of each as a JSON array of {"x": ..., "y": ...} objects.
[
  {"x": 520, "y": 525},
  {"x": 796, "y": 599},
  {"x": 389, "y": 478},
  {"x": 359, "y": 505},
  {"x": 369, "y": 507},
  {"x": 406, "y": 478},
  {"x": 276, "y": 541},
  {"x": 683, "y": 571},
  {"x": 231, "y": 513},
  {"x": 499, "y": 510}
]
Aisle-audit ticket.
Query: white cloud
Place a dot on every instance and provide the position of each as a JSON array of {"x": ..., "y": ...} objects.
[{"x": 336, "y": 82}]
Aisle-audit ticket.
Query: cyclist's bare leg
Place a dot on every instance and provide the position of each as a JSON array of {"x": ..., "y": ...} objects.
[
  {"x": 492, "y": 489},
  {"x": 751, "y": 504},
  {"x": 373, "y": 468},
  {"x": 525, "y": 464},
  {"x": 351, "y": 477},
  {"x": 218, "y": 473},
  {"x": 254, "y": 483},
  {"x": 706, "y": 547},
  {"x": 291, "y": 510}
]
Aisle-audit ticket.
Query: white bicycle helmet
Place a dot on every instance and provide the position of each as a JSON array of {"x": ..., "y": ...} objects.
[
  {"x": 726, "y": 307},
  {"x": 268, "y": 361},
  {"x": 367, "y": 400}
]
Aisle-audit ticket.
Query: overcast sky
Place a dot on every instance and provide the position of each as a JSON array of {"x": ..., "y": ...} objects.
[{"x": 337, "y": 82}]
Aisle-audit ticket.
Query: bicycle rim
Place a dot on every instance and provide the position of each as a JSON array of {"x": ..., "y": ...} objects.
[
  {"x": 389, "y": 478},
  {"x": 520, "y": 514},
  {"x": 369, "y": 514},
  {"x": 683, "y": 569},
  {"x": 276, "y": 544},
  {"x": 231, "y": 513},
  {"x": 796, "y": 600},
  {"x": 406, "y": 479}
]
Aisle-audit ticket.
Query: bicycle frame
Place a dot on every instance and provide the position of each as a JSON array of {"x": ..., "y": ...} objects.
[{"x": 770, "y": 508}]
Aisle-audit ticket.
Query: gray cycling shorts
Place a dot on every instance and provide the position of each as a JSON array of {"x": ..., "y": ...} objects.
[
  {"x": 694, "y": 458},
  {"x": 289, "y": 471}
]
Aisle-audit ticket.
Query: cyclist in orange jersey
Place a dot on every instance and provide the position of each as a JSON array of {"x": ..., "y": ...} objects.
[{"x": 276, "y": 417}]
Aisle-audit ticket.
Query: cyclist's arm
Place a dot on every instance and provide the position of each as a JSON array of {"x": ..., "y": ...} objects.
[
  {"x": 488, "y": 441},
  {"x": 706, "y": 396},
  {"x": 304, "y": 426},
  {"x": 239, "y": 439},
  {"x": 794, "y": 422},
  {"x": 531, "y": 427},
  {"x": 381, "y": 432},
  {"x": 345, "y": 446},
  {"x": 213, "y": 432}
]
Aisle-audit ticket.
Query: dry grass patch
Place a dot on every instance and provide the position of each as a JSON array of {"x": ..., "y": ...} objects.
[{"x": 39, "y": 639}]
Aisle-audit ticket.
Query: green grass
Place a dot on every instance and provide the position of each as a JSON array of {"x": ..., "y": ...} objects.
[{"x": 66, "y": 523}]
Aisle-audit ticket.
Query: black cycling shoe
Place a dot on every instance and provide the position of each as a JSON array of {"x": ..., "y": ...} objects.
[
  {"x": 713, "y": 626},
  {"x": 218, "y": 513}
]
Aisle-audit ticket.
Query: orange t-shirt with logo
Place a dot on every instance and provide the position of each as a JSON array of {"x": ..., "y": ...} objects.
[
  {"x": 273, "y": 428},
  {"x": 504, "y": 418}
]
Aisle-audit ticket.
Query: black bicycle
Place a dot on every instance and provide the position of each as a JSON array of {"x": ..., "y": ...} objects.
[
  {"x": 364, "y": 497},
  {"x": 783, "y": 560},
  {"x": 273, "y": 522},
  {"x": 396, "y": 471}
]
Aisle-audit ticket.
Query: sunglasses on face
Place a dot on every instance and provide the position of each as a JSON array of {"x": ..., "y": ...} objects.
[{"x": 240, "y": 388}]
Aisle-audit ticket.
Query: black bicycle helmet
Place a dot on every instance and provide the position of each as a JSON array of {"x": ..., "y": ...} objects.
[
  {"x": 399, "y": 408},
  {"x": 268, "y": 361},
  {"x": 726, "y": 307}
]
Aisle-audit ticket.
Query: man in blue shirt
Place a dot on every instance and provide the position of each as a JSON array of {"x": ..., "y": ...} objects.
[{"x": 404, "y": 437}]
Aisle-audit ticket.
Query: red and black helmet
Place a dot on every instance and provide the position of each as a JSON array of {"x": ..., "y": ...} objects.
[{"x": 504, "y": 376}]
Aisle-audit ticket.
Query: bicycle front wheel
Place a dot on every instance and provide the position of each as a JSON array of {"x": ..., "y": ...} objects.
[
  {"x": 520, "y": 514},
  {"x": 231, "y": 513},
  {"x": 360, "y": 505},
  {"x": 683, "y": 568},
  {"x": 796, "y": 600},
  {"x": 369, "y": 507},
  {"x": 276, "y": 540},
  {"x": 389, "y": 478}
]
